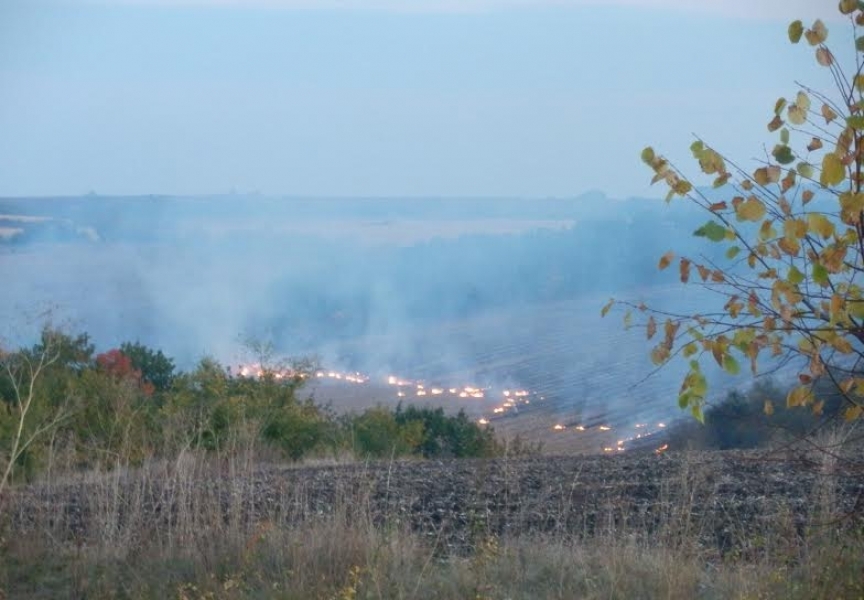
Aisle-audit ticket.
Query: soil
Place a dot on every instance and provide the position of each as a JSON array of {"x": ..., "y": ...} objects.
[{"x": 724, "y": 500}]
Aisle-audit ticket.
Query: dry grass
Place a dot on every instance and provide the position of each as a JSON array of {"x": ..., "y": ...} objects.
[{"x": 204, "y": 537}]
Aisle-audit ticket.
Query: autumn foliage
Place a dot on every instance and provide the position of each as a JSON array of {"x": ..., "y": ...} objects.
[{"x": 793, "y": 229}]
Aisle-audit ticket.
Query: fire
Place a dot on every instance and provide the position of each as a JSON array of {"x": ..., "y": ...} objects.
[
  {"x": 507, "y": 393},
  {"x": 661, "y": 425},
  {"x": 580, "y": 428},
  {"x": 559, "y": 427},
  {"x": 498, "y": 410},
  {"x": 421, "y": 392},
  {"x": 608, "y": 449},
  {"x": 437, "y": 391},
  {"x": 604, "y": 428},
  {"x": 482, "y": 421},
  {"x": 662, "y": 449}
]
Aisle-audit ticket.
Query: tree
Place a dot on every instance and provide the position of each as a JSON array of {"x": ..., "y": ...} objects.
[
  {"x": 791, "y": 279},
  {"x": 155, "y": 368},
  {"x": 25, "y": 419}
]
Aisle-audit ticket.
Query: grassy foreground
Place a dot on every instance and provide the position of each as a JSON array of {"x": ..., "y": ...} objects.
[{"x": 204, "y": 539}]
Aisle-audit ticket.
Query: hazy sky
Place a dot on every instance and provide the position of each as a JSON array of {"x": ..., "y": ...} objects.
[{"x": 384, "y": 97}]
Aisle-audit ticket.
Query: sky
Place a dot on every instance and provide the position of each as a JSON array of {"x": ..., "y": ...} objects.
[{"x": 407, "y": 98}]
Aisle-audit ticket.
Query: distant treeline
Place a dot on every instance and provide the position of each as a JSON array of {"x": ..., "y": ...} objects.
[{"x": 79, "y": 408}]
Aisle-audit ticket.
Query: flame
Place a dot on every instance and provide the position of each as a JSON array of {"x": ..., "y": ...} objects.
[
  {"x": 437, "y": 391},
  {"x": 661, "y": 425},
  {"x": 498, "y": 410},
  {"x": 662, "y": 449},
  {"x": 580, "y": 428},
  {"x": 482, "y": 421},
  {"x": 559, "y": 427},
  {"x": 507, "y": 393},
  {"x": 604, "y": 428}
]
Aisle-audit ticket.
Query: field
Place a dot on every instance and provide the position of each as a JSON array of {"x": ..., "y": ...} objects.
[{"x": 678, "y": 525}]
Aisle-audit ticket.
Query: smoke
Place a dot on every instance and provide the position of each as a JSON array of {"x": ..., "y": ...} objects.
[{"x": 494, "y": 292}]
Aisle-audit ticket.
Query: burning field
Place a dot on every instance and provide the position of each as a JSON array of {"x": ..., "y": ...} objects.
[{"x": 512, "y": 412}]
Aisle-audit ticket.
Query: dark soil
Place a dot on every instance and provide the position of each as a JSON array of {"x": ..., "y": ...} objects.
[{"x": 723, "y": 500}]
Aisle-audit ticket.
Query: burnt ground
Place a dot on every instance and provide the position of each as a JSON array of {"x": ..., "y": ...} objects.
[{"x": 723, "y": 500}]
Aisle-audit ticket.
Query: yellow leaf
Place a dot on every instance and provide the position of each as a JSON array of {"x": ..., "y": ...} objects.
[
  {"x": 750, "y": 210},
  {"x": 799, "y": 396},
  {"x": 769, "y": 408},
  {"x": 820, "y": 224},
  {"x": 651, "y": 328},
  {"x": 665, "y": 260},
  {"x": 796, "y": 115},
  {"x": 817, "y": 34},
  {"x": 606, "y": 308},
  {"x": 853, "y": 412},
  {"x": 846, "y": 386},
  {"x": 836, "y": 308},
  {"x": 833, "y": 171},
  {"x": 851, "y": 205},
  {"x": 829, "y": 115},
  {"x": 795, "y": 228},
  {"x": 704, "y": 272},
  {"x": 659, "y": 355},
  {"x": 807, "y": 196}
]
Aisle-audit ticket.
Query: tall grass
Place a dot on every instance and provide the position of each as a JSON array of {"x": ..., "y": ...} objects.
[{"x": 198, "y": 528}]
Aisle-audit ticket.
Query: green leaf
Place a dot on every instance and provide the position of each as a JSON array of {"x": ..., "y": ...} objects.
[
  {"x": 711, "y": 230},
  {"x": 784, "y": 136},
  {"x": 859, "y": 44},
  {"x": 779, "y": 106},
  {"x": 833, "y": 171},
  {"x": 697, "y": 148},
  {"x": 796, "y": 30},
  {"x": 783, "y": 154},
  {"x": 805, "y": 170},
  {"x": 648, "y": 155},
  {"x": 730, "y": 365},
  {"x": 696, "y": 411},
  {"x": 732, "y": 252},
  {"x": 820, "y": 275},
  {"x": 855, "y": 122},
  {"x": 795, "y": 276}
]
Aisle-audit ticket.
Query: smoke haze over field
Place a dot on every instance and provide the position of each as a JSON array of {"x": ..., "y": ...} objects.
[{"x": 503, "y": 292}]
